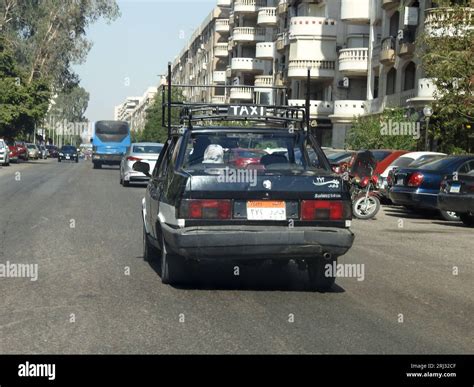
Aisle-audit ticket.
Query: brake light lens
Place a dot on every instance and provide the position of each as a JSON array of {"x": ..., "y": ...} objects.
[
  {"x": 416, "y": 179},
  {"x": 322, "y": 210},
  {"x": 133, "y": 158},
  {"x": 206, "y": 209}
]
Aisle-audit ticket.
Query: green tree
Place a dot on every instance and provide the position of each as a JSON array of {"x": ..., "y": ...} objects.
[
  {"x": 367, "y": 132},
  {"x": 446, "y": 49}
]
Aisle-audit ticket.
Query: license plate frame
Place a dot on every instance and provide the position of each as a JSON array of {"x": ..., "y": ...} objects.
[
  {"x": 455, "y": 189},
  {"x": 262, "y": 210}
]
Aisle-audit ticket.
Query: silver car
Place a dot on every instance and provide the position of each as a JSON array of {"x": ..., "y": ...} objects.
[
  {"x": 4, "y": 153},
  {"x": 147, "y": 152},
  {"x": 33, "y": 151}
]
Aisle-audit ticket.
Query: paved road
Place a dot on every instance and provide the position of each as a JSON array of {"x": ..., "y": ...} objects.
[{"x": 84, "y": 301}]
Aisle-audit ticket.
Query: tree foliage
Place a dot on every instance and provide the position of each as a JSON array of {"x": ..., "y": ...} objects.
[
  {"x": 446, "y": 49},
  {"x": 367, "y": 132}
]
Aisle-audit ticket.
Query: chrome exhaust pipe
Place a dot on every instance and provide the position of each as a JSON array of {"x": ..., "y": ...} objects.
[{"x": 327, "y": 256}]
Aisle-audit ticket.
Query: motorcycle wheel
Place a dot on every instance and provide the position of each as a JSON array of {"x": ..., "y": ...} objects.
[{"x": 365, "y": 208}]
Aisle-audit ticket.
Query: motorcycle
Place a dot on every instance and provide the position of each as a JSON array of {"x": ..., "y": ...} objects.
[{"x": 365, "y": 196}]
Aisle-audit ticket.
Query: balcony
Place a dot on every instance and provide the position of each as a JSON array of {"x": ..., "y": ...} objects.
[
  {"x": 319, "y": 69},
  {"x": 267, "y": 16},
  {"x": 312, "y": 26},
  {"x": 282, "y": 6},
  {"x": 248, "y": 34},
  {"x": 406, "y": 49},
  {"x": 349, "y": 109},
  {"x": 317, "y": 108},
  {"x": 247, "y": 65},
  {"x": 219, "y": 99},
  {"x": 241, "y": 93},
  {"x": 444, "y": 22},
  {"x": 283, "y": 40},
  {"x": 224, "y": 3},
  {"x": 222, "y": 25},
  {"x": 426, "y": 92},
  {"x": 354, "y": 61},
  {"x": 220, "y": 50},
  {"x": 265, "y": 50},
  {"x": 264, "y": 82},
  {"x": 390, "y": 4},
  {"x": 246, "y": 6},
  {"x": 387, "y": 52},
  {"x": 355, "y": 11},
  {"x": 219, "y": 76}
]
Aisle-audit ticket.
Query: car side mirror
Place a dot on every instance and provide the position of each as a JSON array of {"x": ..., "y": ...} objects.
[{"x": 142, "y": 167}]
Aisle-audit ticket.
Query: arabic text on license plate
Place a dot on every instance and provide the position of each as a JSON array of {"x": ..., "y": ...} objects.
[
  {"x": 266, "y": 210},
  {"x": 400, "y": 181},
  {"x": 455, "y": 189}
]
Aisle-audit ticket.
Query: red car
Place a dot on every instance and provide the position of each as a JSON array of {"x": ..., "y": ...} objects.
[
  {"x": 22, "y": 150},
  {"x": 241, "y": 158},
  {"x": 13, "y": 155}
]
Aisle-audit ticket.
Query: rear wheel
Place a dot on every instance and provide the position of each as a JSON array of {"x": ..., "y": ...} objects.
[
  {"x": 318, "y": 279},
  {"x": 366, "y": 208},
  {"x": 449, "y": 216},
  {"x": 59, "y": 159},
  {"x": 467, "y": 219},
  {"x": 171, "y": 264}
]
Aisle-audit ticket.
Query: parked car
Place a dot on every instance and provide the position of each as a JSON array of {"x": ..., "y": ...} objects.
[
  {"x": 147, "y": 152},
  {"x": 22, "y": 149},
  {"x": 457, "y": 195},
  {"x": 385, "y": 158},
  {"x": 406, "y": 161},
  {"x": 68, "y": 153},
  {"x": 340, "y": 160},
  {"x": 418, "y": 188},
  {"x": 4, "y": 153},
  {"x": 33, "y": 151},
  {"x": 194, "y": 210},
  {"x": 53, "y": 151},
  {"x": 43, "y": 152},
  {"x": 13, "y": 155}
]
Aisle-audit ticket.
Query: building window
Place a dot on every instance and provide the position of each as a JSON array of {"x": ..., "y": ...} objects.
[
  {"x": 409, "y": 75},
  {"x": 391, "y": 81}
]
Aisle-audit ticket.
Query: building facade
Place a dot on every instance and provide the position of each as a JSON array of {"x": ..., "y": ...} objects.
[{"x": 360, "y": 53}]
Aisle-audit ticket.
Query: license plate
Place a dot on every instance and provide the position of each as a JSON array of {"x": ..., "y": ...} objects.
[
  {"x": 266, "y": 210},
  {"x": 455, "y": 188},
  {"x": 400, "y": 181}
]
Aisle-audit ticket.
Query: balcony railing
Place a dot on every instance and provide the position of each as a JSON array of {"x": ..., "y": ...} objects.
[
  {"x": 354, "y": 61},
  {"x": 264, "y": 81},
  {"x": 265, "y": 50},
  {"x": 267, "y": 16},
  {"x": 220, "y": 76},
  {"x": 220, "y": 50},
  {"x": 319, "y": 68},
  {"x": 355, "y": 11},
  {"x": 317, "y": 108},
  {"x": 247, "y": 6},
  {"x": 387, "y": 51},
  {"x": 222, "y": 25},
  {"x": 248, "y": 34},
  {"x": 241, "y": 93},
  {"x": 445, "y": 22},
  {"x": 312, "y": 26},
  {"x": 247, "y": 64},
  {"x": 349, "y": 108}
]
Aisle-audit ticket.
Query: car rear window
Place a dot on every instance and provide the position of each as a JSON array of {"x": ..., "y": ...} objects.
[
  {"x": 68, "y": 149},
  {"x": 439, "y": 165},
  {"x": 274, "y": 151},
  {"x": 402, "y": 162},
  {"x": 339, "y": 156},
  {"x": 146, "y": 149}
]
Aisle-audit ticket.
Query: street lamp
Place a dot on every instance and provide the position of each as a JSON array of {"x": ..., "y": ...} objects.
[{"x": 427, "y": 112}]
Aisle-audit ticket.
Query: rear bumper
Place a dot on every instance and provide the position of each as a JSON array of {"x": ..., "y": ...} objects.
[
  {"x": 413, "y": 198},
  {"x": 456, "y": 203},
  {"x": 107, "y": 159},
  {"x": 257, "y": 242}
]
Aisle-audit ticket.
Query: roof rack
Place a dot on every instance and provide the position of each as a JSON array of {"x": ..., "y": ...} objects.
[{"x": 192, "y": 113}]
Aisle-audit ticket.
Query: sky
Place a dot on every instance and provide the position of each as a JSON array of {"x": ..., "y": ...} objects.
[{"x": 129, "y": 54}]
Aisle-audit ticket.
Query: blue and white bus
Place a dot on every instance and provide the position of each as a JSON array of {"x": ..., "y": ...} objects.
[{"x": 110, "y": 142}]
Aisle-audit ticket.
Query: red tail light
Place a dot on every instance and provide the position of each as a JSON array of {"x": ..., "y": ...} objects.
[
  {"x": 364, "y": 182},
  {"x": 133, "y": 158},
  {"x": 416, "y": 179},
  {"x": 322, "y": 210},
  {"x": 206, "y": 209}
]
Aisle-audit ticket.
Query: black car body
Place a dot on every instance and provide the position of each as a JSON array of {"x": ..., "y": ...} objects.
[
  {"x": 53, "y": 151},
  {"x": 68, "y": 153},
  {"x": 457, "y": 195},
  {"x": 419, "y": 187},
  {"x": 196, "y": 207}
]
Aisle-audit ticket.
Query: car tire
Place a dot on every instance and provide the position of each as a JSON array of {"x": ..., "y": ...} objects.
[
  {"x": 149, "y": 251},
  {"x": 318, "y": 280},
  {"x": 77, "y": 160},
  {"x": 171, "y": 265},
  {"x": 97, "y": 165},
  {"x": 59, "y": 160},
  {"x": 467, "y": 219},
  {"x": 449, "y": 216},
  {"x": 126, "y": 183}
]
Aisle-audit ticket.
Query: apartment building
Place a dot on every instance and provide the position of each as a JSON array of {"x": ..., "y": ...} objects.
[
  {"x": 123, "y": 112},
  {"x": 360, "y": 53},
  {"x": 138, "y": 115}
]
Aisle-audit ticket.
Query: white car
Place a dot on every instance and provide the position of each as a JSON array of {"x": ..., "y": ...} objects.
[
  {"x": 4, "y": 153},
  {"x": 147, "y": 152}
]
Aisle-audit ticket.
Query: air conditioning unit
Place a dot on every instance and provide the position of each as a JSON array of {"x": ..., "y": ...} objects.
[{"x": 343, "y": 83}]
